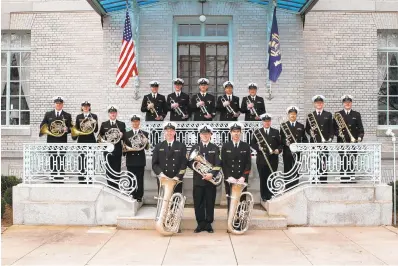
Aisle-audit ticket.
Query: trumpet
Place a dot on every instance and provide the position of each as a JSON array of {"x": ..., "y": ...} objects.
[
  {"x": 262, "y": 142},
  {"x": 314, "y": 126},
  {"x": 252, "y": 110},
  {"x": 203, "y": 167},
  {"x": 178, "y": 109},
  {"x": 342, "y": 125},
  {"x": 152, "y": 109},
  {"x": 288, "y": 133},
  {"x": 229, "y": 108},
  {"x": 202, "y": 108}
]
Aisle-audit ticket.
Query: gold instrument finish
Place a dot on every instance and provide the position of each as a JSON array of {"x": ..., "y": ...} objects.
[
  {"x": 87, "y": 126},
  {"x": 202, "y": 108},
  {"x": 343, "y": 126},
  {"x": 152, "y": 109},
  {"x": 178, "y": 109},
  {"x": 314, "y": 127},
  {"x": 252, "y": 110},
  {"x": 263, "y": 146},
  {"x": 111, "y": 136},
  {"x": 239, "y": 214},
  {"x": 229, "y": 108},
  {"x": 170, "y": 207},
  {"x": 288, "y": 133},
  {"x": 203, "y": 167},
  {"x": 138, "y": 142},
  {"x": 56, "y": 128}
]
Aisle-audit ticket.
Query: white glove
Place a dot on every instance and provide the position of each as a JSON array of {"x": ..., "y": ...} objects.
[
  {"x": 162, "y": 175},
  {"x": 276, "y": 151},
  {"x": 176, "y": 178},
  {"x": 359, "y": 139},
  {"x": 65, "y": 129},
  {"x": 226, "y": 103},
  {"x": 121, "y": 134},
  {"x": 208, "y": 116},
  {"x": 250, "y": 105},
  {"x": 231, "y": 180},
  {"x": 150, "y": 106},
  {"x": 174, "y": 105},
  {"x": 237, "y": 114},
  {"x": 184, "y": 116},
  {"x": 241, "y": 180},
  {"x": 201, "y": 103}
]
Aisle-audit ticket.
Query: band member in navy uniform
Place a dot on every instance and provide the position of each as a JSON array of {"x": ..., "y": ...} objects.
[
  {"x": 271, "y": 136},
  {"x": 203, "y": 104},
  {"x": 177, "y": 102},
  {"x": 297, "y": 131},
  {"x": 228, "y": 104},
  {"x": 115, "y": 157},
  {"x": 169, "y": 156},
  {"x": 253, "y": 104},
  {"x": 236, "y": 160},
  {"x": 325, "y": 123},
  {"x": 90, "y": 138},
  {"x": 136, "y": 160},
  {"x": 57, "y": 114},
  {"x": 204, "y": 192},
  {"x": 353, "y": 121}
]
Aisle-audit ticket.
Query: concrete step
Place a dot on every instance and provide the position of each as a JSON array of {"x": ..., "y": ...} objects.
[{"x": 144, "y": 220}]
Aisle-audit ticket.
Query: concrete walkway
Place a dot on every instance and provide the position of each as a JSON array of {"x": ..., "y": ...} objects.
[{"x": 63, "y": 245}]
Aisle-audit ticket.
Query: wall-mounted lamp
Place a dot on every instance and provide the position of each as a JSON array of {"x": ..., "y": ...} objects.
[{"x": 202, "y": 17}]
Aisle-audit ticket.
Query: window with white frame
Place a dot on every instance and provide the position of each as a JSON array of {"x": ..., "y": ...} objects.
[
  {"x": 15, "y": 77},
  {"x": 387, "y": 77}
]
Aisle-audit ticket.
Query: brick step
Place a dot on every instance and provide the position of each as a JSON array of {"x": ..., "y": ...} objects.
[{"x": 144, "y": 220}]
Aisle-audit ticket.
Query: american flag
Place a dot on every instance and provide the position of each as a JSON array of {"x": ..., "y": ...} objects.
[{"x": 127, "y": 65}]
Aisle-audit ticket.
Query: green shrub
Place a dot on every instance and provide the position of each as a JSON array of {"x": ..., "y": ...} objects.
[
  {"x": 7, "y": 182},
  {"x": 3, "y": 207},
  {"x": 8, "y": 196}
]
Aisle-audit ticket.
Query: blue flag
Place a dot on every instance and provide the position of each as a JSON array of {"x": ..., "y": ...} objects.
[{"x": 274, "y": 61}]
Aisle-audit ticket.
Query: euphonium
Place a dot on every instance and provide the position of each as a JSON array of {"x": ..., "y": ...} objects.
[
  {"x": 87, "y": 126},
  {"x": 203, "y": 167},
  {"x": 288, "y": 133},
  {"x": 111, "y": 136},
  {"x": 56, "y": 129},
  {"x": 239, "y": 213},
  {"x": 138, "y": 142},
  {"x": 229, "y": 108},
  {"x": 342, "y": 125},
  {"x": 170, "y": 207},
  {"x": 314, "y": 126}
]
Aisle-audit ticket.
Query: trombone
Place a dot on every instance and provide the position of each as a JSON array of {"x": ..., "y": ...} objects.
[
  {"x": 261, "y": 141},
  {"x": 229, "y": 108},
  {"x": 314, "y": 126},
  {"x": 288, "y": 133},
  {"x": 342, "y": 125},
  {"x": 178, "y": 109},
  {"x": 202, "y": 108}
]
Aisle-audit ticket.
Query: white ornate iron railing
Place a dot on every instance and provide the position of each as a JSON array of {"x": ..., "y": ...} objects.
[
  {"x": 340, "y": 162},
  {"x": 187, "y": 132},
  {"x": 66, "y": 162}
]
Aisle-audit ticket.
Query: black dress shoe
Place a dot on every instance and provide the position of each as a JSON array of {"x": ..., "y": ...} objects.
[
  {"x": 198, "y": 229},
  {"x": 209, "y": 229},
  {"x": 179, "y": 231}
]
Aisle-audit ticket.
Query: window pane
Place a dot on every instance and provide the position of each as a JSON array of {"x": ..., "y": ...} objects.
[
  {"x": 210, "y": 67},
  {"x": 3, "y": 59},
  {"x": 212, "y": 82},
  {"x": 392, "y": 58},
  {"x": 3, "y": 103},
  {"x": 3, "y": 117},
  {"x": 195, "y": 68},
  {"x": 381, "y": 39},
  {"x": 25, "y": 73},
  {"x": 393, "y": 73},
  {"x": 222, "y": 68},
  {"x": 24, "y": 103},
  {"x": 15, "y": 40},
  {"x": 14, "y": 88},
  {"x": 382, "y": 58},
  {"x": 14, "y": 103},
  {"x": 183, "y": 49},
  {"x": 211, "y": 49},
  {"x": 222, "y": 50},
  {"x": 14, "y": 117},
  {"x": 5, "y": 40},
  {"x": 15, "y": 59},
  {"x": 183, "y": 30},
  {"x": 25, "y": 59},
  {"x": 222, "y": 30},
  {"x": 183, "y": 69},
  {"x": 382, "y": 103},
  {"x": 195, "y": 49},
  {"x": 393, "y": 118},
  {"x": 4, "y": 74},
  {"x": 382, "y": 118},
  {"x": 195, "y": 30},
  {"x": 211, "y": 30},
  {"x": 25, "y": 118},
  {"x": 26, "y": 40},
  {"x": 392, "y": 39},
  {"x": 381, "y": 73}
]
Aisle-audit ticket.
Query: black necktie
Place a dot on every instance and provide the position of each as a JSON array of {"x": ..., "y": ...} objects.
[
  {"x": 57, "y": 114},
  {"x": 266, "y": 132},
  {"x": 204, "y": 146},
  {"x": 203, "y": 95},
  {"x": 252, "y": 98},
  {"x": 348, "y": 112},
  {"x": 319, "y": 113},
  {"x": 292, "y": 124},
  {"x": 236, "y": 145},
  {"x": 229, "y": 98}
]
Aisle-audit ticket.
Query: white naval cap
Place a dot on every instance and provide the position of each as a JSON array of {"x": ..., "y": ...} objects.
[
  {"x": 266, "y": 116},
  {"x": 178, "y": 81},
  {"x": 235, "y": 125},
  {"x": 203, "y": 81},
  {"x": 58, "y": 99},
  {"x": 86, "y": 103},
  {"x": 292, "y": 109},
  {"x": 112, "y": 108},
  {"x": 347, "y": 97},
  {"x": 252, "y": 85},
  {"x": 169, "y": 124},
  {"x": 205, "y": 128},
  {"x": 228, "y": 83},
  {"x": 318, "y": 98},
  {"x": 135, "y": 117},
  {"x": 154, "y": 83}
]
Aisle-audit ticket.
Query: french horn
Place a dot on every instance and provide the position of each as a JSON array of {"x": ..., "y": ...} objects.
[
  {"x": 138, "y": 142},
  {"x": 87, "y": 126},
  {"x": 56, "y": 129}
]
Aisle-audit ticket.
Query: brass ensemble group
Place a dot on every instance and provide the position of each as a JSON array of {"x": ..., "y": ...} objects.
[{"x": 211, "y": 165}]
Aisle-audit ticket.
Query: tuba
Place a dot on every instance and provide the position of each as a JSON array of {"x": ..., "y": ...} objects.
[
  {"x": 87, "y": 126},
  {"x": 56, "y": 129},
  {"x": 343, "y": 126},
  {"x": 170, "y": 207},
  {"x": 202, "y": 108},
  {"x": 239, "y": 213},
  {"x": 138, "y": 142},
  {"x": 203, "y": 167},
  {"x": 314, "y": 127},
  {"x": 229, "y": 108},
  {"x": 288, "y": 133},
  {"x": 111, "y": 136}
]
